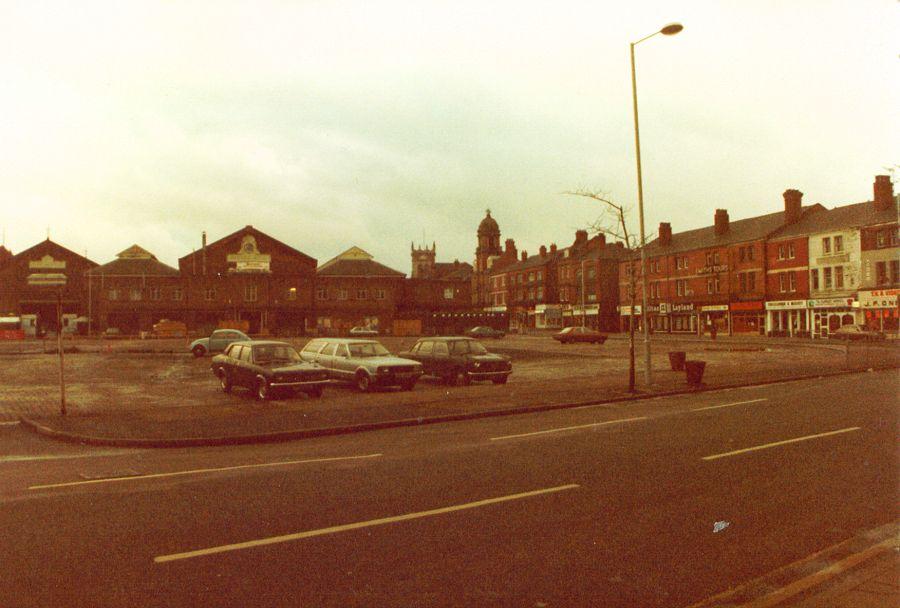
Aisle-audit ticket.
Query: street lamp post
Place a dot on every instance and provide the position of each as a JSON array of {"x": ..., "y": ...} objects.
[{"x": 669, "y": 30}]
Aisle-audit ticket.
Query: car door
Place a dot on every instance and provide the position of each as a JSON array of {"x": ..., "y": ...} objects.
[
  {"x": 426, "y": 348},
  {"x": 325, "y": 358},
  {"x": 344, "y": 366},
  {"x": 440, "y": 358}
]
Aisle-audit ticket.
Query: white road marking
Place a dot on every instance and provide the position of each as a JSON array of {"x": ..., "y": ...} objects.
[
  {"x": 198, "y": 471},
  {"x": 9, "y": 423},
  {"x": 568, "y": 428},
  {"x": 714, "y": 407},
  {"x": 26, "y": 458},
  {"x": 777, "y": 443},
  {"x": 355, "y": 526}
]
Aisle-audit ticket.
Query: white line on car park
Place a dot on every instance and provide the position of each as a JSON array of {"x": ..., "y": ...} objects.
[
  {"x": 9, "y": 423},
  {"x": 355, "y": 526},
  {"x": 778, "y": 443},
  {"x": 713, "y": 407},
  {"x": 568, "y": 428},
  {"x": 26, "y": 458},
  {"x": 199, "y": 471}
]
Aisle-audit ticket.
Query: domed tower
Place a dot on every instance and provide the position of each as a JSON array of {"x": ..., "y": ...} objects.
[
  {"x": 423, "y": 261},
  {"x": 488, "y": 247}
]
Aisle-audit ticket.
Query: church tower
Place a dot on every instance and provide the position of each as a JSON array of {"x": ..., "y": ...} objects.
[
  {"x": 488, "y": 247},
  {"x": 422, "y": 261}
]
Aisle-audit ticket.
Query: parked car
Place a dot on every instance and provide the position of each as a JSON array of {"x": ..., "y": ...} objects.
[
  {"x": 459, "y": 360},
  {"x": 217, "y": 341},
  {"x": 365, "y": 363},
  {"x": 579, "y": 334},
  {"x": 363, "y": 331},
  {"x": 856, "y": 332},
  {"x": 483, "y": 331},
  {"x": 112, "y": 332},
  {"x": 267, "y": 367}
]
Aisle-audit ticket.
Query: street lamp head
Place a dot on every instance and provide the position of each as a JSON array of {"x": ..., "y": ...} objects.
[{"x": 671, "y": 29}]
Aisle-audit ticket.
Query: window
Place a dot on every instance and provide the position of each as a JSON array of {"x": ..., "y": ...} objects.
[
  {"x": 709, "y": 258},
  {"x": 521, "y": 278},
  {"x": 154, "y": 293},
  {"x": 540, "y": 275},
  {"x": 751, "y": 281},
  {"x": 895, "y": 271},
  {"x": 880, "y": 240},
  {"x": 826, "y": 244},
  {"x": 177, "y": 294},
  {"x": 716, "y": 257},
  {"x": 113, "y": 294},
  {"x": 209, "y": 294},
  {"x": 531, "y": 277},
  {"x": 881, "y": 276},
  {"x": 838, "y": 273},
  {"x": 292, "y": 293},
  {"x": 743, "y": 281},
  {"x": 678, "y": 264},
  {"x": 135, "y": 295},
  {"x": 681, "y": 287},
  {"x": 826, "y": 273},
  {"x": 540, "y": 293},
  {"x": 321, "y": 293},
  {"x": 742, "y": 253},
  {"x": 250, "y": 293},
  {"x": 792, "y": 282},
  {"x": 379, "y": 294},
  {"x": 791, "y": 250},
  {"x": 448, "y": 293},
  {"x": 814, "y": 278},
  {"x": 343, "y": 294},
  {"x": 531, "y": 294},
  {"x": 782, "y": 282},
  {"x": 838, "y": 244},
  {"x": 712, "y": 285},
  {"x": 440, "y": 348},
  {"x": 362, "y": 294},
  {"x": 426, "y": 347},
  {"x": 781, "y": 254},
  {"x": 750, "y": 252}
]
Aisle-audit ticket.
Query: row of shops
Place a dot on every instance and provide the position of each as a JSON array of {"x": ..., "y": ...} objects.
[{"x": 876, "y": 309}]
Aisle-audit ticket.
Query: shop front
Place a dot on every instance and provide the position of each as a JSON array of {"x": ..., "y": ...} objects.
[
  {"x": 748, "y": 318},
  {"x": 830, "y": 314},
  {"x": 714, "y": 318},
  {"x": 548, "y": 316},
  {"x": 625, "y": 317},
  {"x": 682, "y": 318},
  {"x": 879, "y": 308},
  {"x": 659, "y": 317},
  {"x": 787, "y": 318}
]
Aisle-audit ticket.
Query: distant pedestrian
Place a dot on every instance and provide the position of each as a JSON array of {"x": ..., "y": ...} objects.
[{"x": 713, "y": 330}]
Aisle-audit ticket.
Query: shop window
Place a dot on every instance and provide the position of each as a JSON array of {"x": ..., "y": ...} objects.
[{"x": 826, "y": 244}]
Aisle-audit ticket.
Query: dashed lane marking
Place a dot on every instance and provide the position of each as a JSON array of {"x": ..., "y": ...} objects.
[
  {"x": 568, "y": 428},
  {"x": 198, "y": 471},
  {"x": 355, "y": 526},
  {"x": 778, "y": 443}
]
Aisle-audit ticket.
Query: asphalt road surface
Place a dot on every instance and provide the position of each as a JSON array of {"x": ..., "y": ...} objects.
[{"x": 658, "y": 503}]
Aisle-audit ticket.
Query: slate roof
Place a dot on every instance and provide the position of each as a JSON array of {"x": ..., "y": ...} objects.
[
  {"x": 848, "y": 216},
  {"x": 356, "y": 263}
]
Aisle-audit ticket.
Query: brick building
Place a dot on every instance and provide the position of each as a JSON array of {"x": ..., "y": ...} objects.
[
  {"x": 588, "y": 282},
  {"x": 487, "y": 251}
]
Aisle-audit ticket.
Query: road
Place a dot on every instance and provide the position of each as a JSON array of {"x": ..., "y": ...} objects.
[{"x": 656, "y": 503}]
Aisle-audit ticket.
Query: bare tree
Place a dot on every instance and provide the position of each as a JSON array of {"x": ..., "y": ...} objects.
[{"x": 612, "y": 223}]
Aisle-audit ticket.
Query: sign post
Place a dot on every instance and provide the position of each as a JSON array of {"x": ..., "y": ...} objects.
[{"x": 57, "y": 280}]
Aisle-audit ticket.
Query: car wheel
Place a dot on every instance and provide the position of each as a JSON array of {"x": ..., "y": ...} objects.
[
  {"x": 500, "y": 380},
  {"x": 199, "y": 350},
  {"x": 224, "y": 381},
  {"x": 263, "y": 390},
  {"x": 315, "y": 393},
  {"x": 363, "y": 382}
]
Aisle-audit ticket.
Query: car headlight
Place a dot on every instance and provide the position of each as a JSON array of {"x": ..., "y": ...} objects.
[
  {"x": 382, "y": 370},
  {"x": 476, "y": 365}
]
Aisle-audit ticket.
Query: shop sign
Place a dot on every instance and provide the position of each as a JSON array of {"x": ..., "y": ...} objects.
[
  {"x": 683, "y": 307},
  {"x": 626, "y": 310},
  {"x": 663, "y": 308},
  {"x": 879, "y": 298},
  {"x": 785, "y": 304},
  {"x": 713, "y": 269},
  {"x": 832, "y": 303},
  {"x": 746, "y": 306}
]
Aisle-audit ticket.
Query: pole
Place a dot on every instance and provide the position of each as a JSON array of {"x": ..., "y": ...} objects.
[
  {"x": 637, "y": 145},
  {"x": 62, "y": 376},
  {"x": 583, "y": 312}
]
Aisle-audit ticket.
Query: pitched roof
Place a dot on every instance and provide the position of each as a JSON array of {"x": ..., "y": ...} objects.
[
  {"x": 848, "y": 216},
  {"x": 453, "y": 271},
  {"x": 739, "y": 231},
  {"x": 134, "y": 261},
  {"x": 533, "y": 261},
  {"x": 356, "y": 263},
  {"x": 52, "y": 245},
  {"x": 248, "y": 229}
]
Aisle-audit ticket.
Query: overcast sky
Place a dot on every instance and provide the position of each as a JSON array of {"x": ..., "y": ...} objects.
[{"x": 377, "y": 123}]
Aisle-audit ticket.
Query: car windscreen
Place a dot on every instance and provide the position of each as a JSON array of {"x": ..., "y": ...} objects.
[
  {"x": 368, "y": 349},
  {"x": 275, "y": 353}
]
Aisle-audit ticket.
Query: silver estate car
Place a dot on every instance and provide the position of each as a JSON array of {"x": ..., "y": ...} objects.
[{"x": 365, "y": 363}]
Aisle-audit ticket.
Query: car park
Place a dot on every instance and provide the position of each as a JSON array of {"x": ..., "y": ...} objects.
[
  {"x": 856, "y": 332},
  {"x": 363, "y": 331},
  {"x": 267, "y": 367},
  {"x": 482, "y": 331},
  {"x": 217, "y": 341},
  {"x": 571, "y": 335},
  {"x": 364, "y": 363},
  {"x": 459, "y": 360}
]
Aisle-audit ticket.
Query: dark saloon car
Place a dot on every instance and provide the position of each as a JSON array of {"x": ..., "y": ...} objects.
[
  {"x": 266, "y": 367},
  {"x": 459, "y": 360},
  {"x": 579, "y": 334},
  {"x": 485, "y": 332}
]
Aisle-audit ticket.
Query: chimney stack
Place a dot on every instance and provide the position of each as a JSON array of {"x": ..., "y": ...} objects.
[
  {"x": 721, "y": 221},
  {"x": 511, "y": 248},
  {"x": 665, "y": 234},
  {"x": 552, "y": 247},
  {"x": 204, "y": 253},
  {"x": 580, "y": 237},
  {"x": 543, "y": 251},
  {"x": 524, "y": 255},
  {"x": 601, "y": 240},
  {"x": 792, "y": 205},
  {"x": 884, "y": 192}
]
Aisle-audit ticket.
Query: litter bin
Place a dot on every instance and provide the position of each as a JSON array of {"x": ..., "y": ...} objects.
[
  {"x": 676, "y": 360},
  {"x": 694, "y": 370}
]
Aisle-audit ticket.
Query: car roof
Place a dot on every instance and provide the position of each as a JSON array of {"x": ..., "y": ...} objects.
[
  {"x": 346, "y": 340},
  {"x": 448, "y": 338},
  {"x": 262, "y": 342}
]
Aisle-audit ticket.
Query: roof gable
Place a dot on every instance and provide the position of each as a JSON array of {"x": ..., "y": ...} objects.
[{"x": 356, "y": 262}]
